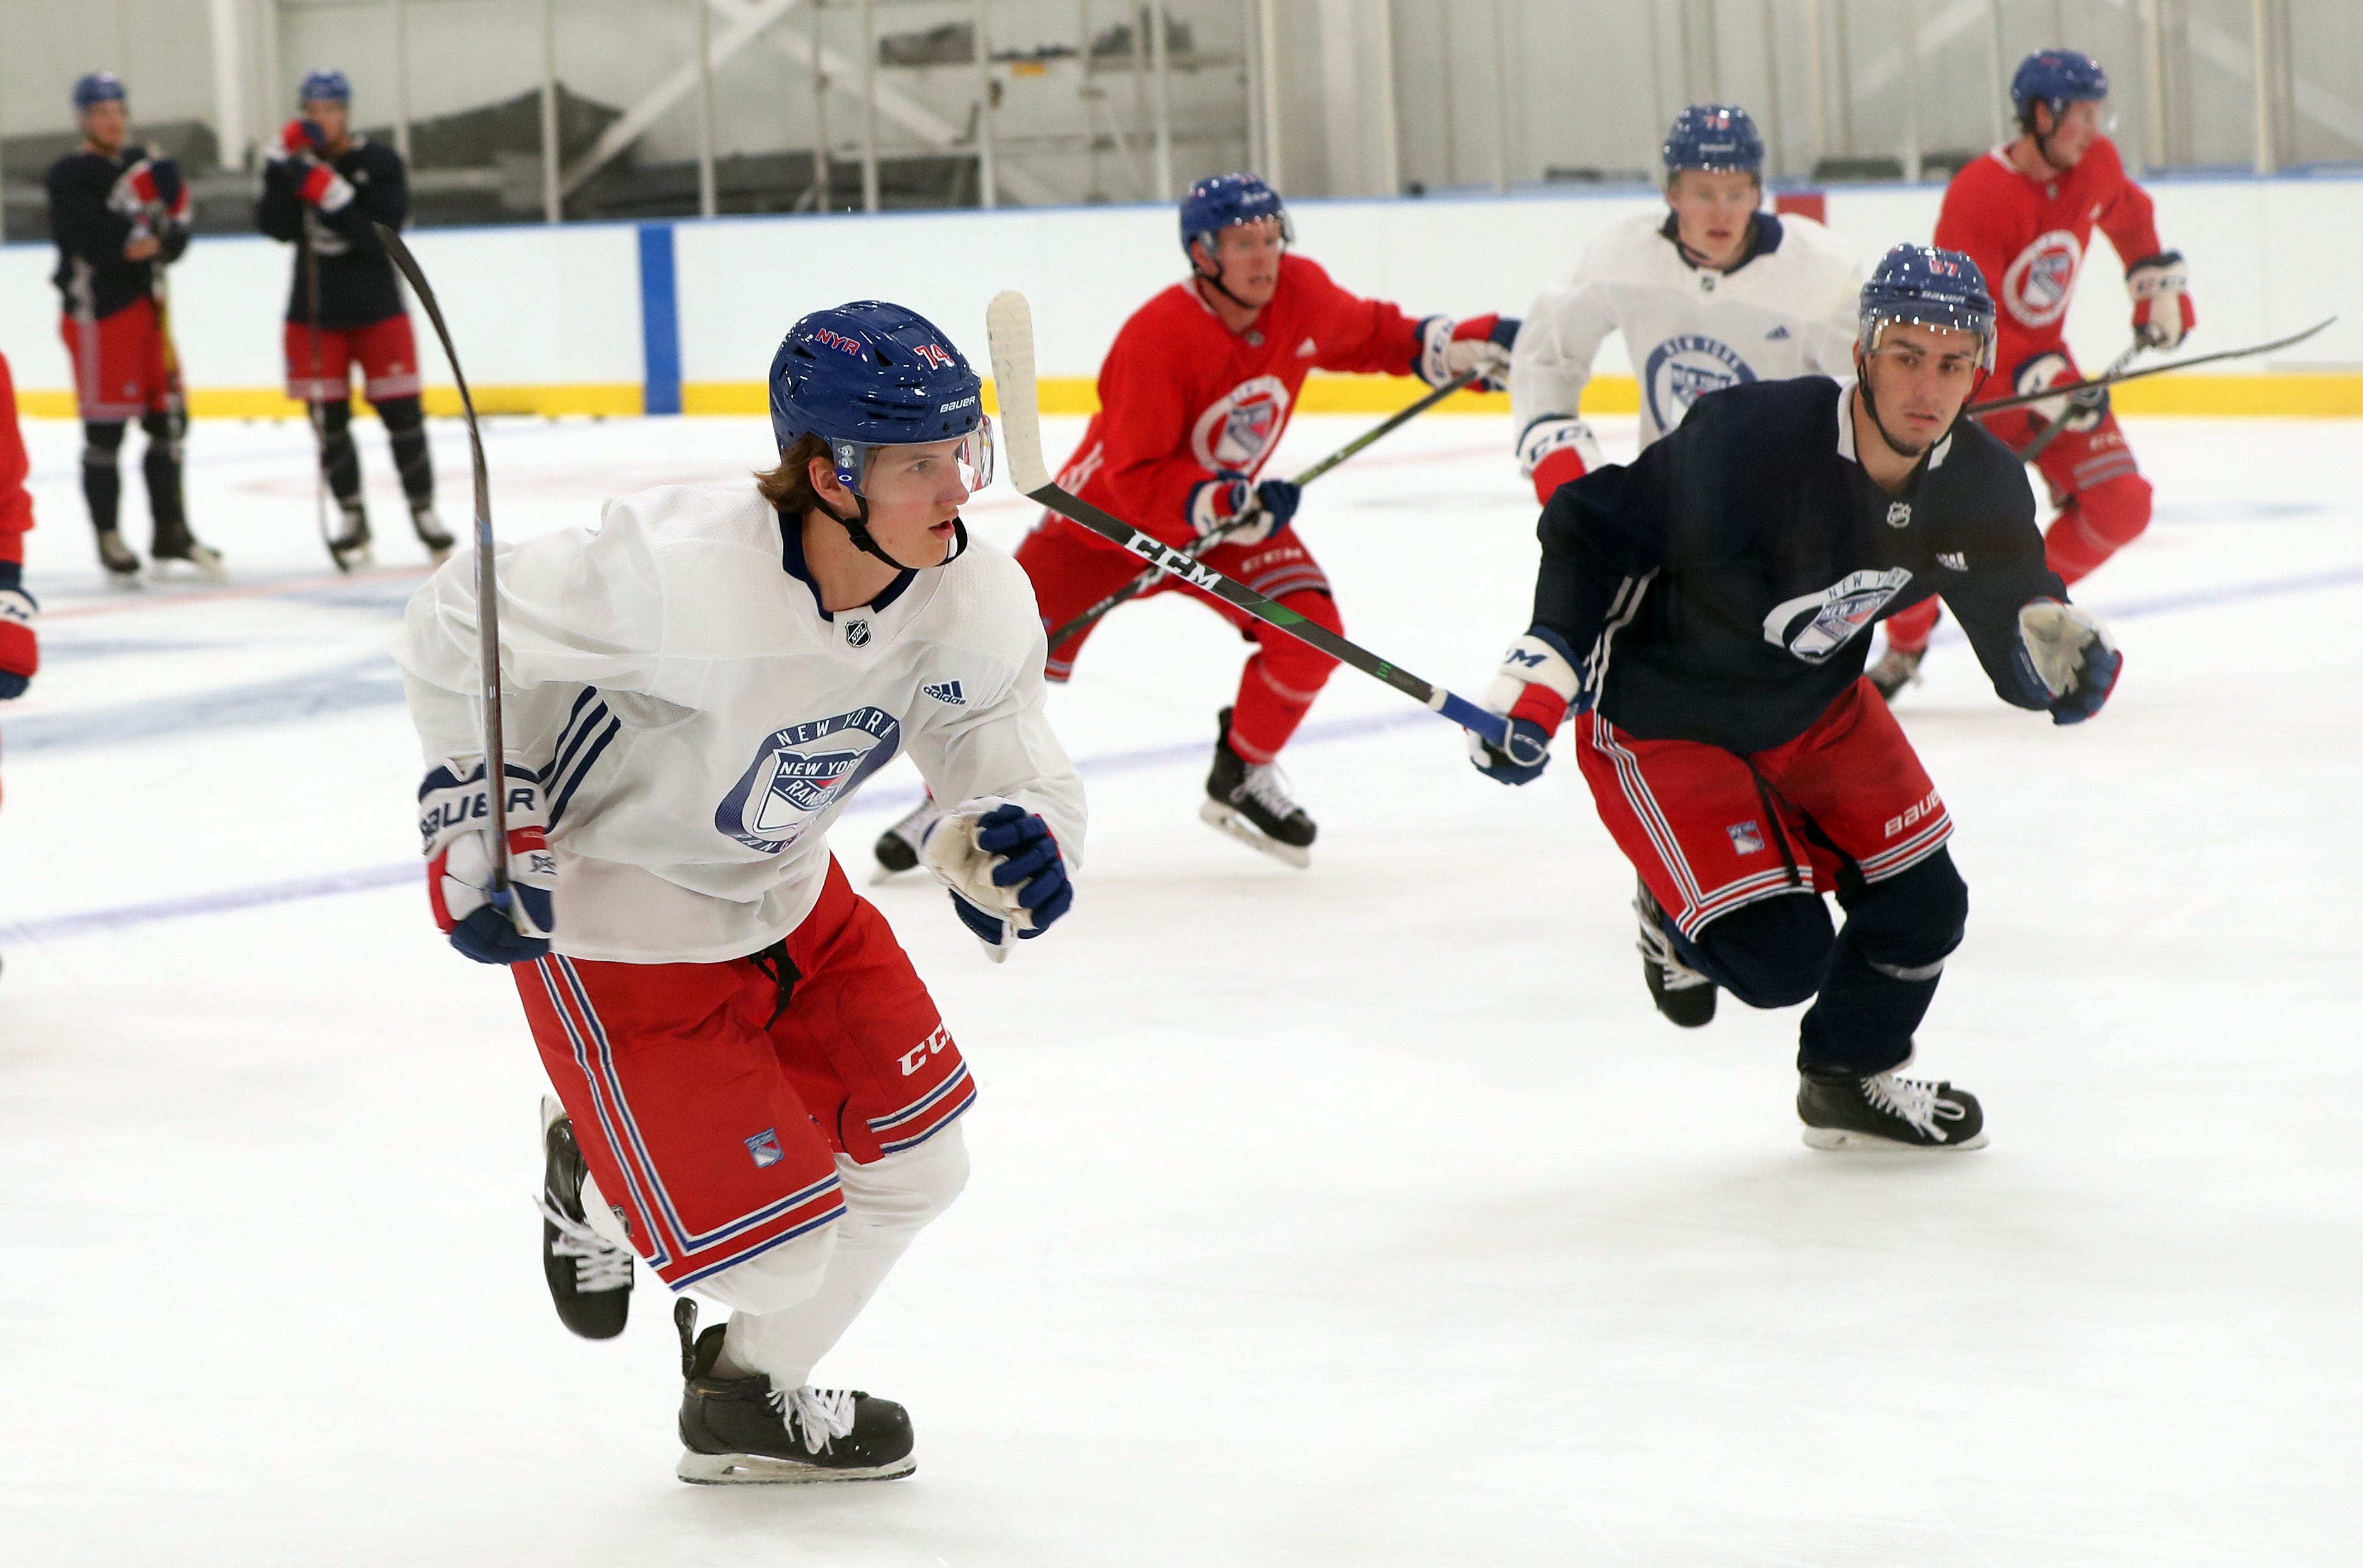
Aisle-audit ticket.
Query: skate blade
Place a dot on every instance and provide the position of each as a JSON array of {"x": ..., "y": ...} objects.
[
  {"x": 125, "y": 581},
  {"x": 1840, "y": 1140},
  {"x": 168, "y": 567},
  {"x": 1215, "y": 814},
  {"x": 758, "y": 1470}
]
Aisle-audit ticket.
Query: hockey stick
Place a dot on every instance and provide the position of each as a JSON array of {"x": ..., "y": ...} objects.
[
  {"x": 1991, "y": 405},
  {"x": 1147, "y": 579},
  {"x": 1009, "y": 324},
  {"x": 488, "y": 588},
  {"x": 2059, "y": 422}
]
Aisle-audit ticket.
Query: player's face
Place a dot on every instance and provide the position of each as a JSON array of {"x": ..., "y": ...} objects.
[
  {"x": 331, "y": 116},
  {"x": 106, "y": 124},
  {"x": 1712, "y": 208},
  {"x": 1919, "y": 378},
  {"x": 2074, "y": 132},
  {"x": 1246, "y": 258},
  {"x": 915, "y": 494}
]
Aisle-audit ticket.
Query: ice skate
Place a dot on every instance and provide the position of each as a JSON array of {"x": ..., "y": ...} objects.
[
  {"x": 1682, "y": 993},
  {"x": 1895, "y": 669},
  {"x": 350, "y": 547},
  {"x": 122, "y": 566},
  {"x": 898, "y": 848},
  {"x": 431, "y": 532},
  {"x": 589, "y": 1277},
  {"x": 1250, "y": 802},
  {"x": 1848, "y": 1111},
  {"x": 740, "y": 1430}
]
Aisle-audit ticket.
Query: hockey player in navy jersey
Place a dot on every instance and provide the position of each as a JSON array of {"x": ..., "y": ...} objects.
[{"x": 1704, "y": 612}]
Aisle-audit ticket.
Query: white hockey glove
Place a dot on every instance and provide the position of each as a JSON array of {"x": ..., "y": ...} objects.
[
  {"x": 1449, "y": 349},
  {"x": 2072, "y": 653},
  {"x": 21, "y": 649},
  {"x": 1533, "y": 690},
  {"x": 1557, "y": 449},
  {"x": 1003, "y": 867},
  {"x": 2160, "y": 287},
  {"x": 2084, "y": 409},
  {"x": 453, "y": 813}
]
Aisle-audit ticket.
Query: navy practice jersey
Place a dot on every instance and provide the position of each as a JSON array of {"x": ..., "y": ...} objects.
[
  {"x": 92, "y": 276},
  {"x": 1721, "y": 587},
  {"x": 356, "y": 276}
]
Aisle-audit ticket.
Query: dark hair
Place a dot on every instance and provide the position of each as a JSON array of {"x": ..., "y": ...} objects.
[{"x": 788, "y": 488}]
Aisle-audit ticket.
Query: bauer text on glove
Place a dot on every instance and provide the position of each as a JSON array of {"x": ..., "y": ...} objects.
[{"x": 454, "y": 827}]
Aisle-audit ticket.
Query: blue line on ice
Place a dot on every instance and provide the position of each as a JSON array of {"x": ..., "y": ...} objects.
[{"x": 372, "y": 683}]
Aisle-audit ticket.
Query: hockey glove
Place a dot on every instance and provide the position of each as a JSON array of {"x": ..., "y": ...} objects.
[
  {"x": 2085, "y": 409},
  {"x": 1557, "y": 449},
  {"x": 325, "y": 188},
  {"x": 2161, "y": 286},
  {"x": 2069, "y": 651},
  {"x": 20, "y": 651},
  {"x": 1449, "y": 349},
  {"x": 299, "y": 137},
  {"x": 135, "y": 193},
  {"x": 1533, "y": 690},
  {"x": 453, "y": 810},
  {"x": 1003, "y": 866},
  {"x": 1233, "y": 511}
]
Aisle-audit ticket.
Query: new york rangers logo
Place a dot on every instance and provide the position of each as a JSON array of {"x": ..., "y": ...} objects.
[
  {"x": 2037, "y": 288},
  {"x": 1838, "y": 613},
  {"x": 1240, "y": 429},
  {"x": 802, "y": 771},
  {"x": 1684, "y": 368},
  {"x": 764, "y": 1146}
]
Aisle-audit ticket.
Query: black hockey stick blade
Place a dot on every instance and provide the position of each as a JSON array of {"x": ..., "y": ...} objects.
[
  {"x": 488, "y": 602},
  {"x": 1147, "y": 579},
  {"x": 1009, "y": 325},
  {"x": 1991, "y": 405}
]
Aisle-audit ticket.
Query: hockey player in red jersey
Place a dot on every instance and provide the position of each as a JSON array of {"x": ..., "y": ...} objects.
[
  {"x": 1194, "y": 395},
  {"x": 20, "y": 652},
  {"x": 2024, "y": 214}
]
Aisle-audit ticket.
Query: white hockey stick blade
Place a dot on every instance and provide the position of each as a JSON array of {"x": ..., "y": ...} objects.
[{"x": 1009, "y": 327}]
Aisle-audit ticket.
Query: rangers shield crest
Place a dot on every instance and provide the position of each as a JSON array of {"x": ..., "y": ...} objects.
[{"x": 802, "y": 770}]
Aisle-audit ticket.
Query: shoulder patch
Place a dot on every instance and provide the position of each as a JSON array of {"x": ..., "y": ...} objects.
[{"x": 946, "y": 692}]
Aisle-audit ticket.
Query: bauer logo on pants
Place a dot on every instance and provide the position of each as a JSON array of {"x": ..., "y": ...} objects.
[{"x": 803, "y": 770}]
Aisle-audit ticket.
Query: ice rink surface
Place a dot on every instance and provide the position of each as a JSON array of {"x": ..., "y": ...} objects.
[{"x": 1359, "y": 1215}]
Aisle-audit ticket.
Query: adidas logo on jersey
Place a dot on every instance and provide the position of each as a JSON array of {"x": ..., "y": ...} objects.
[
  {"x": 1778, "y": 335},
  {"x": 1953, "y": 560},
  {"x": 946, "y": 691}
]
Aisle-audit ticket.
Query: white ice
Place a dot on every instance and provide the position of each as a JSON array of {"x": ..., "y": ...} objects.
[{"x": 1359, "y": 1215}]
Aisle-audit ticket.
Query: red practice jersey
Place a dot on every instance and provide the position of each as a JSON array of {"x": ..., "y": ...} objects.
[
  {"x": 2029, "y": 238},
  {"x": 16, "y": 505},
  {"x": 1183, "y": 397}
]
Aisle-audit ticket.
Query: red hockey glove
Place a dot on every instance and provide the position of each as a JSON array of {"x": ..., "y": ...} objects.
[
  {"x": 1238, "y": 511},
  {"x": 453, "y": 808},
  {"x": 326, "y": 189},
  {"x": 1533, "y": 688},
  {"x": 1557, "y": 449},
  {"x": 20, "y": 650},
  {"x": 298, "y": 138},
  {"x": 135, "y": 193},
  {"x": 1449, "y": 349},
  {"x": 2161, "y": 286}
]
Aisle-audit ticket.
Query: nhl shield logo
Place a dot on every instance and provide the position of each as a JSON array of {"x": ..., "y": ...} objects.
[
  {"x": 1899, "y": 515},
  {"x": 764, "y": 1146},
  {"x": 802, "y": 771},
  {"x": 857, "y": 633}
]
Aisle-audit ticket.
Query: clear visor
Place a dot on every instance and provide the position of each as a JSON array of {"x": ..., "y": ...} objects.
[
  {"x": 1939, "y": 320},
  {"x": 969, "y": 457}
]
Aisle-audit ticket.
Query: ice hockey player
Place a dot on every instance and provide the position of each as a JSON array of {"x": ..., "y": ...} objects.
[
  {"x": 120, "y": 213},
  {"x": 322, "y": 188},
  {"x": 1703, "y": 611},
  {"x": 1716, "y": 293},
  {"x": 757, "y": 1092},
  {"x": 21, "y": 649},
  {"x": 2024, "y": 214},
  {"x": 1194, "y": 394}
]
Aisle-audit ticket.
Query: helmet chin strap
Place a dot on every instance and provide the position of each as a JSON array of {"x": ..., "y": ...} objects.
[
  {"x": 2043, "y": 140},
  {"x": 857, "y": 528},
  {"x": 1215, "y": 279},
  {"x": 1871, "y": 405}
]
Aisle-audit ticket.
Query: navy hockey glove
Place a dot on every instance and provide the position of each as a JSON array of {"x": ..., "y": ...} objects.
[
  {"x": 1449, "y": 349},
  {"x": 1230, "y": 509},
  {"x": 1003, "y": 866},
  {"x": 20, "y": 650},
  {"x": 2072, "y": 654},
  {"x": 1533, "y": 690},
  {"x": 453, "y": 808}
]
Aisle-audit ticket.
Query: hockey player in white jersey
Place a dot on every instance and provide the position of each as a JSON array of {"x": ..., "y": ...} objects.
[
  {"x": 758, "y": 1094},
  {"x": 1716, "y": 293}
]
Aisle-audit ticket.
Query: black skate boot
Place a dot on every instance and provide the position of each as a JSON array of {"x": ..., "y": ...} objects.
[
  {"x": 349, "y": 547},
  {"x": 1682, "y": 993},
  {"x": 589, "y": 1277},
  {"x": 738, "y": 1431},
  {"x": 174, "y": 545},
  {"x": 898, "y": 848},
  {"x": 1847, "y": 1111},
  {"x": 122, "y": 566},
  {"x": 1250, "y": 801},
  {"x": 1895, "y": 669},
  {"x": 431, "y": 531}
]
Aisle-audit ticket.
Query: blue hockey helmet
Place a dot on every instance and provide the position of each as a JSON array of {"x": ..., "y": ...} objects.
[
  {"x": 96, "y": 87},
  {"x": 1715, "y": 137},
  {"x": 1226, "y": 201},
  {"x": 325, "y": 87},
  {"x": 1927, "y": 287},
  {"x": 2057, "y": 77}
]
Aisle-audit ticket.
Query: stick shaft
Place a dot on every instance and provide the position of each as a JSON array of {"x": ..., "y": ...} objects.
[{"x": 1992, "y": 404}]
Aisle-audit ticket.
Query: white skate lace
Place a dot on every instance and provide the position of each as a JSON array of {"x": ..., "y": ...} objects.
[
  {"x": 599, "y": 1264},
  {"x": 1654, "y": 944},
  {"x": 1267, "y": 785},
  {"x": 820, "y": 1414},
  {"x": 1911, "y": 1101}
]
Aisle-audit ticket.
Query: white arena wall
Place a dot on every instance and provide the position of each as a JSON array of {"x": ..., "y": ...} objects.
[{"x": 564, "y": 319}]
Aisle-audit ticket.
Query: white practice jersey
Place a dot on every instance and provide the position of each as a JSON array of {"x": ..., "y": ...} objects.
[
  {"x": 698, "y": 722},
  {"x": 1788, "y": 310}
]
